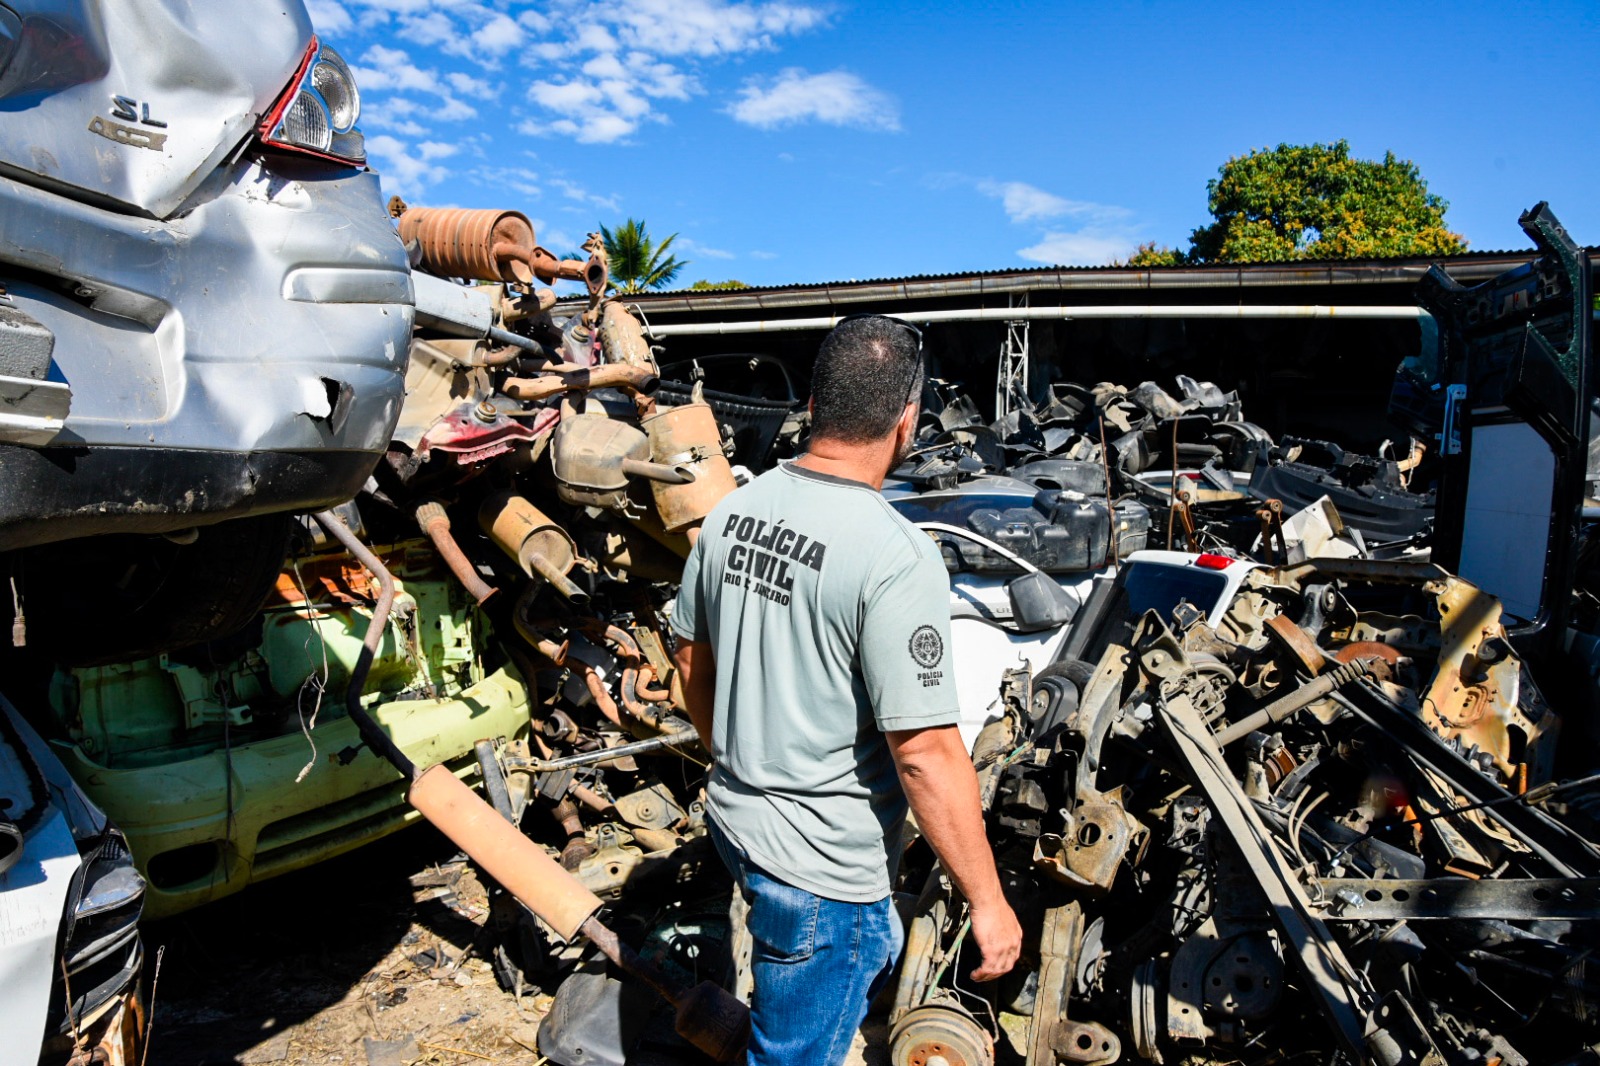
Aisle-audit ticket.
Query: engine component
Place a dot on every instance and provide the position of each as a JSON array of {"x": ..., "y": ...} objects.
[
  {"x": 486, "y": 245},
  {"x": 688, "y": 438},
  {"x": 622, "y": 341},
  {"x": 595, "y": 455},
  {"x": 540, "y": 546}
]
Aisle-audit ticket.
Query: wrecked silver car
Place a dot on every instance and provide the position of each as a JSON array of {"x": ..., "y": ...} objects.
[{"x": 176, "y": 220}]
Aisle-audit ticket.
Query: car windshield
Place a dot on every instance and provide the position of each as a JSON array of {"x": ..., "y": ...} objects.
[{"x": 1152, "y": 587}]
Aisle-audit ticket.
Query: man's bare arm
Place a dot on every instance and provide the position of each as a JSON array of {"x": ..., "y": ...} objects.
[
  {"x": 942, "y": 788},
  {"x": 697, "y": 670}
]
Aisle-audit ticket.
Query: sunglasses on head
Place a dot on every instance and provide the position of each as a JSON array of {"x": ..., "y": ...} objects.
[
  {"x": 912, "y": 389},
  {"x": 916, "y": 334}
]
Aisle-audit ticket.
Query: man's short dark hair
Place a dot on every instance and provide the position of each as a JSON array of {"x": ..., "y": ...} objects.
[{"x": 867, "y": 370}]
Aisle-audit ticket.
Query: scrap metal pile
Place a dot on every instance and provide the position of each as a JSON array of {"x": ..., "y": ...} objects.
[
  {"x": 1317, "y": 823},
  {"x": 564, "y": 498},
  {"x": 1208, "y": 478},
  {"x": 1327, "y": 829}
]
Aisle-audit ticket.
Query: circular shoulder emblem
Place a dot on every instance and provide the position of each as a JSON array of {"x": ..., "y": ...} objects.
[{"x": 927, "y": 647}]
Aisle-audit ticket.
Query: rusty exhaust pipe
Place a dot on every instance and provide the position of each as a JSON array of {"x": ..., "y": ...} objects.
[
  {"x": 539, "y": 545},
  {"x": 371, "y": 735},
  {"x": 667, "y": 475},
  {"x": 707, "y": 1015},
  {"x": 485, "y": 245},
  {"x": 436, "y": 524},
  {"x": 608, "y": 376}
]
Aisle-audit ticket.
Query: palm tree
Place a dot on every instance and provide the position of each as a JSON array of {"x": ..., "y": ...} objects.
[{"x": 636, "y": 262}]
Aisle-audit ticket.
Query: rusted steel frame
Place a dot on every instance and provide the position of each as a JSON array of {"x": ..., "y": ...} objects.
[
  {"x": 371, "y": 734},
  {"x": 436, "y": 524},
  {"x": 1567, "y": 853},
  {"x": 1330, "y": 975},
  {"x": 676, "y": 739},
  {"x": 606, "y": 376}
]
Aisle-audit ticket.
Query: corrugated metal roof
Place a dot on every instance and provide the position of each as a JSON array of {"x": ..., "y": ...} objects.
[{"x": 1465, "y": 266}]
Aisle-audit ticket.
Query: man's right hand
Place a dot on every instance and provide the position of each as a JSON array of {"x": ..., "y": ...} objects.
[
  {"x": 999, "y": 938},
  {"x": 942, "y": 788}
]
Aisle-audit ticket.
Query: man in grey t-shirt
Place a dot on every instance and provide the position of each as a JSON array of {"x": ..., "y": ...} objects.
[{"x": 814, "y": 628}]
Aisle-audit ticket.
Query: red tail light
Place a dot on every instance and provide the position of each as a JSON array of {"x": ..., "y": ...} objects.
[{"x": 317, "y": 114}]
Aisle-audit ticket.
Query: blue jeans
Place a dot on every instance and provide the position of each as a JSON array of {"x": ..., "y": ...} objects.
[{"x": 817, "y": 963}]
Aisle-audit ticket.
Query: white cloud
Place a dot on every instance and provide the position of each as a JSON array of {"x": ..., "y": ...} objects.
[
  {"x": 518, "y": 179},
  {"x": 329, "y": 16},
  {"x": 709, "y": 27},
  {"x": 392, "y": 69},
  {"x": 395, "y": 113},
  {"x": 467, "y": 85},
  {"x": 602, "y": 72},
  {"x": 431, "y": 150},
  {"x": 402, "y": 170},
  {"x": 1029, "y": 203},
  {"x": 1086, "y": 247},
  {"x": 694, "y": 247},
  {"x": 763, "y": 255},
  {"x": 573, "y": 191},
  {"x": 499, "y": 35},
  {"x": 837, "y": 97}
]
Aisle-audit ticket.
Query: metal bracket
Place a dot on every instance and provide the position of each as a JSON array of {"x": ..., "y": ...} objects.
[
  {"x": 1337, "y": 985},
  {"x": 1449, "y": 435},
  {"x": 1363, "y": 899}
]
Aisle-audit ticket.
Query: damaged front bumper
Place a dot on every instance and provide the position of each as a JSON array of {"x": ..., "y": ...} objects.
[{"x": 197, "y": 841}]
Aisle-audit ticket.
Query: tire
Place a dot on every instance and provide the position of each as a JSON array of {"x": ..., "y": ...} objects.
[{"x": 126, "y": 597}]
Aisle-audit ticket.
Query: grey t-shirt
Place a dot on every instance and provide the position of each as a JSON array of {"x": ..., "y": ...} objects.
[{"x": 829, "y": 617}]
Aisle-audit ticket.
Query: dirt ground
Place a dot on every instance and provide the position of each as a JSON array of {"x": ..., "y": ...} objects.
[{"x": 371, "y": 959}]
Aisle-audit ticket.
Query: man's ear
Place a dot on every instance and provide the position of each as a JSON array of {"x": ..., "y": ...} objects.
[{"x": 906, "y": 429}]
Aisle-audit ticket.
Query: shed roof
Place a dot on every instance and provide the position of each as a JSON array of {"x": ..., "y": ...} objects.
[{"x": 1466, "y": 267}]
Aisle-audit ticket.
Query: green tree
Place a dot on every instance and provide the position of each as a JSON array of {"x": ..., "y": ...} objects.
[
  {"x": 637, "y": 262},
  {"x": 1151, "y": 254},
  {"x": 729, "y": 284},
  {"x": 1312, "y": 201}
]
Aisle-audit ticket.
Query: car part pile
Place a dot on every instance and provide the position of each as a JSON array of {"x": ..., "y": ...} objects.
[
  {"x": 1207, "y": 476},
  {"x": 1332, "y": 828},
  {"x": 534, "y": 506}
]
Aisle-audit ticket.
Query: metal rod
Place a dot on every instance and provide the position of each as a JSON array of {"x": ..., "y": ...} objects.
[
  {"x": 627, "y": 960},
  {"x": 515, "y": 340},
  {"x": 1059, "y": 314},
  {"x": 667, "y": 475},
  {"x": 1304, "y": 696},
  {"x": 675, "y": 739},
  {"x": 371, "y": 733},
  {"x": 557, "y": 578}
]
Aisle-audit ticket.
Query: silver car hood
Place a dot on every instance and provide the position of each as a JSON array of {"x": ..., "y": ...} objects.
[{"x": 132, "y": 103}]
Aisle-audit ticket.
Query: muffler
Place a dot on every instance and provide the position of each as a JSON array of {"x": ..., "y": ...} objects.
[{"x": 708, "y": 1016}]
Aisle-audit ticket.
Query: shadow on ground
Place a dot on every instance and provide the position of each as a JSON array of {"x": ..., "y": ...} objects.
[{"x": 238, "y": 972}]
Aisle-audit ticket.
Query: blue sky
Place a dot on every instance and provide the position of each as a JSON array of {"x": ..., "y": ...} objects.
[{"x": 803, "y": 142}]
